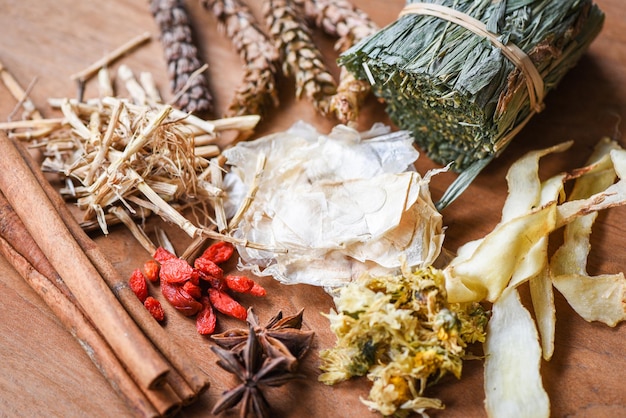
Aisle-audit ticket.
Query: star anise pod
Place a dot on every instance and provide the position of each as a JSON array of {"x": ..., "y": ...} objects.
[
  {"x": 255, "y": 370},
  {"x": 282, "y": 336}
]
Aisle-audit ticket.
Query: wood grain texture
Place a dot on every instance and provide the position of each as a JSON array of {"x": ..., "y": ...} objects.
[{"x": 43, "y": 370}]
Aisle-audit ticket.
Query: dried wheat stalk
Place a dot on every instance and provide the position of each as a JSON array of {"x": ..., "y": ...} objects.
[
  {"x": 299, "y": 55},
  {"x": 341, "y": 19},
  {"x": 259, "y": 55}
]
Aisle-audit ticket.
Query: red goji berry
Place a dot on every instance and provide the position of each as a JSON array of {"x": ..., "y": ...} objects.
[
  {"x": 138, "y": 285},
  {"x": 154, "y": 307},
  {"x": 194, "y": 290},
  {"x": 151, "y": 270},
  {"x": 161, "y": 254},
  {"x": 195, "y": 276},
  {"x": 176, "y": 270},
  {"x": 243, "y": 284},
  {"x": 179, "y": 298},
  {"x": 239, "y": 284},
  {"x": 206, "y": 319},
  {"x": 257, "y": 290},
  {"x": 214, "y": 282},
  {"x": 219, "y": 252},
  {"x": 208, "y": 267},
  {"x": 227, "y": 305}
]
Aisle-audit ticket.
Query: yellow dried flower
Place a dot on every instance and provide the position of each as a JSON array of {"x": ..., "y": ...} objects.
[{"x": 401, "y": 333}]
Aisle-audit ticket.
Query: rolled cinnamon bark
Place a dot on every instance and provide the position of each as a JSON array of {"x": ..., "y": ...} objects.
[
  {"x": 41, "y": 219},
  {"x": 195, "y": 377},
  {"x": 75, "y": 322}
]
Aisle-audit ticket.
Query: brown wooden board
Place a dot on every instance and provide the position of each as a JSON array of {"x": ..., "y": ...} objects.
[{"x": 45, "y": 372}]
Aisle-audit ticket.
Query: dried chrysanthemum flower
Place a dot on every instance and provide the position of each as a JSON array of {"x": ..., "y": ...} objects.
[{"x": 402, "y": 333}]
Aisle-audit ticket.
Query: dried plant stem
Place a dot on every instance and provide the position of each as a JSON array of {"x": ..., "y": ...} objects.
[
  {"x": 301, "y": 58},
  {"x": 18, "y": 93},
  {"x": 105, "y": 86},
  {"x": 80, "y": 276},
  {"x": 189, "y": 87},
  {"x": 165, "y": 210},
  {"x": 109, "y": 58},
  {"x": 216, "y": 181},
  {"x": 260, "y": 166},
  {"x": 49, "y": 124},
  {"x": 133, "y": 146},
  {"x": 137, "y": 232},
  {"x": 106, "y": 142},
  {"x": 22, "y": 98},
  {"x": 136, "y": 91}
]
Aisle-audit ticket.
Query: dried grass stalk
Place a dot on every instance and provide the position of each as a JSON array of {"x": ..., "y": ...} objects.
[
  {"x": 125, "y": 159},
  {"x": 299, "y": 54}
]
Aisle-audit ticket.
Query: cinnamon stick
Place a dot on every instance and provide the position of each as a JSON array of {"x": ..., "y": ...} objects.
[
  {"x": 14, "y": 232},
  {"x": 195, "y": 377},
  {"x": 80, "y": 328},
  {"x": 19, "y": 248},
  {"x": 41, "y": 219}
]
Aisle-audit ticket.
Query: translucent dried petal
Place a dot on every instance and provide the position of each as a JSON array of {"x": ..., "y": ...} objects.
[{"x": 365, "y": 207}]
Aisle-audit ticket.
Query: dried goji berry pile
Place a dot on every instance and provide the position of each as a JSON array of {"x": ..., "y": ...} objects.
[{"x": 195, "y": 290}]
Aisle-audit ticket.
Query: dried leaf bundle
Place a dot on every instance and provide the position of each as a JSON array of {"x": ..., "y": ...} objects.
[
  {"x": 258, "y": 89},
  {"x": 183, "y": 63},
  {"x": 455, "y": 90}
]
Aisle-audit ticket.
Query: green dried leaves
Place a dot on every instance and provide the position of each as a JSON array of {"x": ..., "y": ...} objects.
[{"x": 459, "y": 95}]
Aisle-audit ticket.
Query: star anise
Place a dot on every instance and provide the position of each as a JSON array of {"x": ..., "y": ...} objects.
[
  {"x": 254, "y": 369},
  {"x": 282, "y": 336}
]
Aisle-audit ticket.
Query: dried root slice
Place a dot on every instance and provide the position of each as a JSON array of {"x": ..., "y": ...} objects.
[
  {"x": 516, "y": 251},
  {"x": 513, "y": 386},
  {"x": 600, "y": 298}
]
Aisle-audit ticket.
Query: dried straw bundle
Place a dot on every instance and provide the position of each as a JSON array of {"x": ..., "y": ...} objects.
[
  {"x": 127, "y": 158},
  {"x": 465, "y": 76}
]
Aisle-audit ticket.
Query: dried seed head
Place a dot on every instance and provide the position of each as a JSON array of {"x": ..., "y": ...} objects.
[
  {"x": 188, "y": 85},
  {"x": 258, "y": 88},
  {"x": 301, "y": 58}
]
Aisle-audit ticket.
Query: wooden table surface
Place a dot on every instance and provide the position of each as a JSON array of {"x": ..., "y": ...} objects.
[{"x": 44, "y": 372}]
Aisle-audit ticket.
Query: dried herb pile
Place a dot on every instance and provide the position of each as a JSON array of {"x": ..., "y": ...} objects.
[
  {"x": 124, "y": 159},
  {"x": 402, "y": 334},
  {"x": 456, "y": 91}
]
